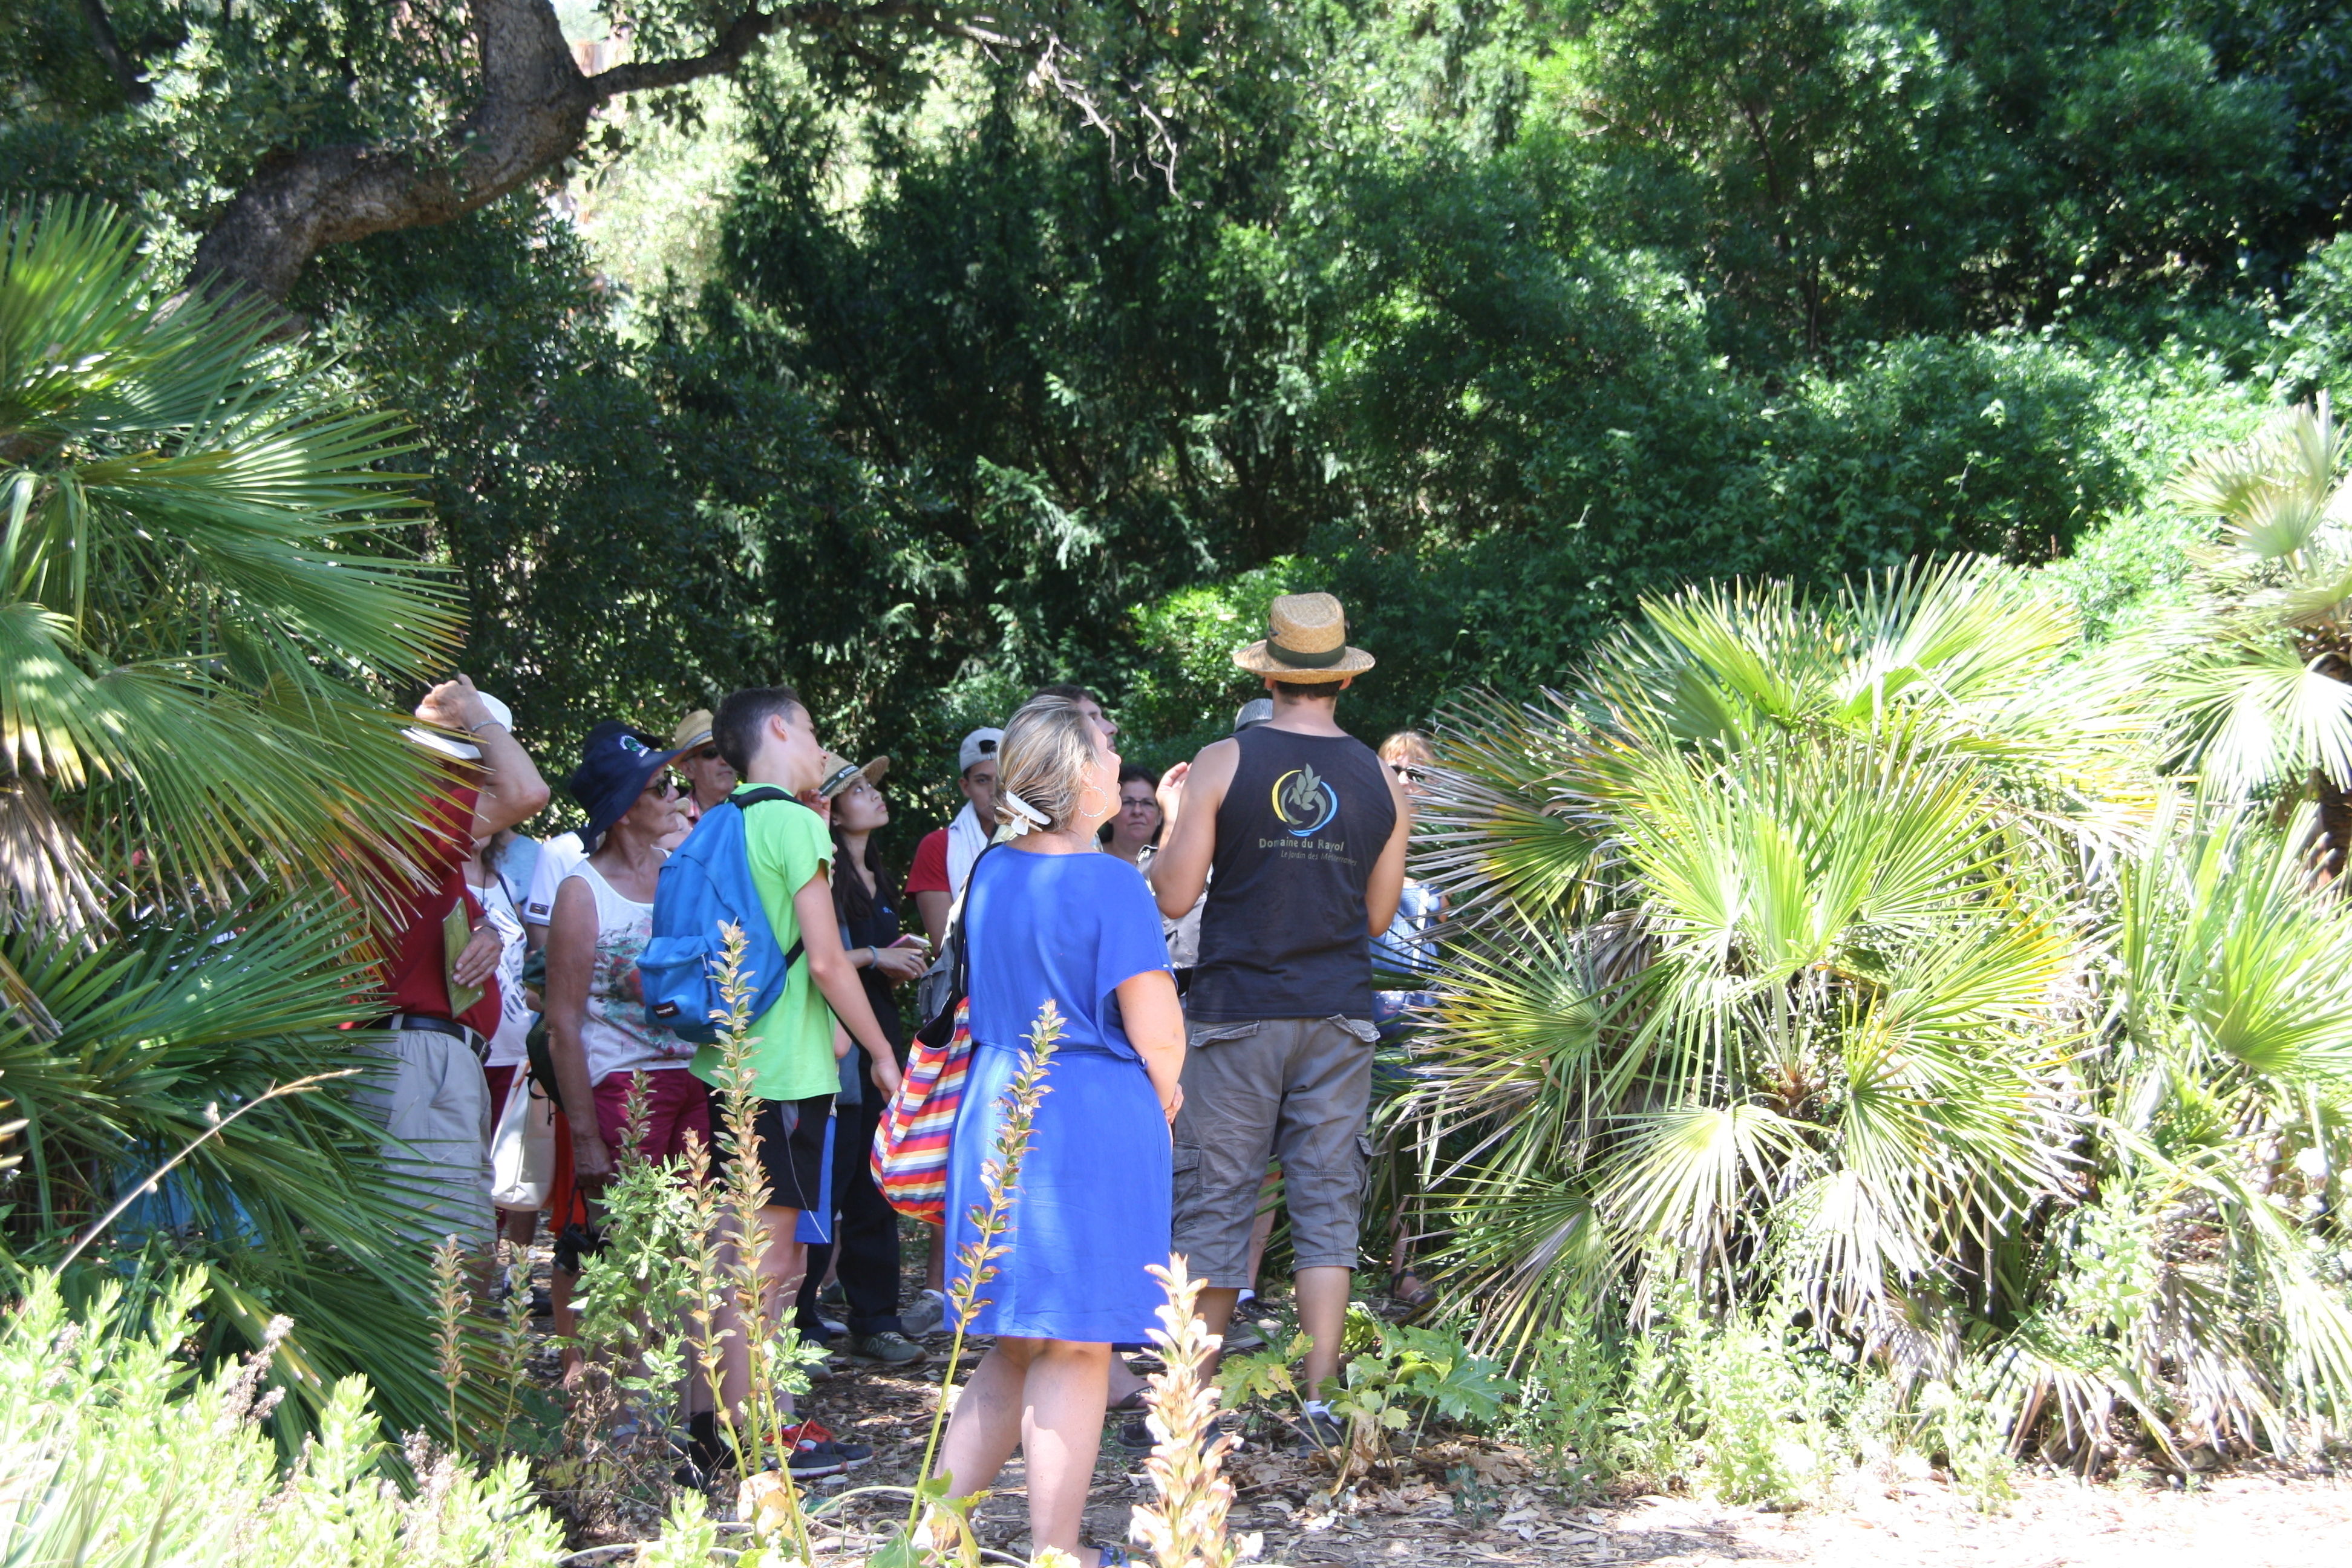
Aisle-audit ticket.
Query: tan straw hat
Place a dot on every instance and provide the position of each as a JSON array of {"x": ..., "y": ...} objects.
[
  {"x": 692, "y": 731},
  {"x": 840, "y": 774},
  {"x": 1306, "y": 640}
]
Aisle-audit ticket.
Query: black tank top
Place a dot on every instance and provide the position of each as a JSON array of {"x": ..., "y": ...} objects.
[{"x": 1282, "y": 935}]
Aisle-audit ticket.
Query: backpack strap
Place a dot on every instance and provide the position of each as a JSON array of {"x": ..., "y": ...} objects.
[{"x": 760, "y": 796}]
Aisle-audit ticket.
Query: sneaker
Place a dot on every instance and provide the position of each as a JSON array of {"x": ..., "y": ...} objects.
[
  {"x": 817, "y": 1452},
  {"x": 890, "y": 1347},
  {"x": 1320, "y": 1431},
  {"x": 1241, "y": 1338},
  {"x": 925, "y": 1314}
]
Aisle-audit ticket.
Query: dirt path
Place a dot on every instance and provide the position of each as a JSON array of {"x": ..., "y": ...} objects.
[
  {"x": 2251, "y": 1521},
  {"x": 1467, "y": 1501}
]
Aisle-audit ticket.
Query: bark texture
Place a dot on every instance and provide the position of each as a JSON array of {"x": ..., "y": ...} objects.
[{"x": 533, "y": 114}]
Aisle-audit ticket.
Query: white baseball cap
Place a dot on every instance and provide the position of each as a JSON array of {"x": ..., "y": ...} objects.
[
  {"x": 979, "y": 746},
  {"x": 449, "y": 745}
]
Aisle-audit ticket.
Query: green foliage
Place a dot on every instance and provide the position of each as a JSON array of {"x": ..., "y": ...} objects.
[
  {"x": 192, "y": 602},
  {"x": 114, "y": 1452},
  {"x": 202, "y": 618},
  {"x": 1778, "y": 989}
]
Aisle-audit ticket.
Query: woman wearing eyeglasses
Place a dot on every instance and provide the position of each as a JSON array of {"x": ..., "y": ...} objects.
[{"x": 603, "y": 916}]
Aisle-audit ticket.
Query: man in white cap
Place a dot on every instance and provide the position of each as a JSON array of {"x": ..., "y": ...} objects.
[
  {"x": 1306, "y": 832},
  {"x": 439, "y": 979},
  {"x": 944, "y": 857}
]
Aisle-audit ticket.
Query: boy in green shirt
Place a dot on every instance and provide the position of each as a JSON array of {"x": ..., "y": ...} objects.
[{"x": 766, "y": 737}]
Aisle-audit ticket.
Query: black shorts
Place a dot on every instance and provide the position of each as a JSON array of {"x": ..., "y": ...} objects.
[{"x": 791, "y": 1147}]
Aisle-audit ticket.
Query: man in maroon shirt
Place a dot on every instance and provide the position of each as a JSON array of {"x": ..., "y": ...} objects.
[{"x": 440, "y": 981}]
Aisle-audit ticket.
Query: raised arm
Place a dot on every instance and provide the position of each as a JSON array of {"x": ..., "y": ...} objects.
[
  {"x": 511, "y": 790},
  {"x": 1179, "y": 872},
  {"x": 1386, "y": 885}
]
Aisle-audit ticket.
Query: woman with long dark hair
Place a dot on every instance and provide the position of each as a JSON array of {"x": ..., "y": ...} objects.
[{"x": 864, "y": 1251}]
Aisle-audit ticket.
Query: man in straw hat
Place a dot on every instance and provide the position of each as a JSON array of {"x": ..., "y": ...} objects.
[
  {"x": 709, "y": 777},
  {"x": 439, "y": 981},
  {"x": 1306, "y": 832}
]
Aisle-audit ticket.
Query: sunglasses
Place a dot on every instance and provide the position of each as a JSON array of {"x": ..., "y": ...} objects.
[{"x": 1407, "y": 771}]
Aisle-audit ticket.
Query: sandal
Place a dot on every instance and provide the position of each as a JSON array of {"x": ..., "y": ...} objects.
[
  {"x": 1132, "y": 1404},
  {"x": 1417, "y": 1300}
]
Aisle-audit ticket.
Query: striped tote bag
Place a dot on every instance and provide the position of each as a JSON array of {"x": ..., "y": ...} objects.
[{"x": 910, "y": 1146}]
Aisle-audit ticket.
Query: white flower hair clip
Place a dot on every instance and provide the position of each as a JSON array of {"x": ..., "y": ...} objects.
[{"x": 1024, "y": 816}]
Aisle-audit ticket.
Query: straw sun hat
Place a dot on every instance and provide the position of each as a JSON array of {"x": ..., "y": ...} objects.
[
  {"x": 840, "y": 774},
  {"x": 1306, "y": 640}
]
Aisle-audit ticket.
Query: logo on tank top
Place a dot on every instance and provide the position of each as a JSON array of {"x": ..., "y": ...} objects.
[{"x": 1304, "y": 802}]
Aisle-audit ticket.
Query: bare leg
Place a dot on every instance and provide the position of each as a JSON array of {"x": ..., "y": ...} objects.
[
  {"x": 1061, "y": 1432},
  {"x": 1049, "y": 1396},
  {"x": 1323, "y": 1315},
  {"x": 566, "y": 1323},
  {"x": 1259, "y": 1234},
  {"x": 985, "y": 1427},
  {"x": 935, "y": 1258},
  {"x": 780, "y": 1266},
  {"x": 1123, "y": 1380}
]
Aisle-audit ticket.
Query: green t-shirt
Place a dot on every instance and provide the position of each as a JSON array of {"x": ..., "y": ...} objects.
[{"x": 791, "y": 1042}]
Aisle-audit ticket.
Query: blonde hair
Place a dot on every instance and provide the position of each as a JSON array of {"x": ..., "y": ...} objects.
[
  {"x": 1405, "y": 745},
  {"x": 1047, "y": 753}
]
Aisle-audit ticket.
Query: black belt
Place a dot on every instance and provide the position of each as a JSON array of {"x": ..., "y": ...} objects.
[{"x": 429, "y": 1024}]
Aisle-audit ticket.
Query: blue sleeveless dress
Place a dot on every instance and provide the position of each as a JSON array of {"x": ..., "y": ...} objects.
[{"x": 1091, "y": 1211}]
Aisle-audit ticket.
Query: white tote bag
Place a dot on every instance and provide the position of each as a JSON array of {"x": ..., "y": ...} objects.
[{"x": 522, "y": 1149}]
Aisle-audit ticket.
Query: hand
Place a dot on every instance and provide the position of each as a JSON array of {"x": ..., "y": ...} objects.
[
  {"x": 1171, "y": 795},
  {"x": 453, "y": 705},
  {"x": 901, "y": 963},
  {"x": 591, "y": 1159},
  {"x": 886, "y": 1074},
  {"x": 1174, "y": 1103},
  {"x": 480, "y": 958}
]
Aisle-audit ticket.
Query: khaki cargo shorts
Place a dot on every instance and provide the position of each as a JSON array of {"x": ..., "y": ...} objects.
[
  {"x": 433, "y": 1102},
  {"x": 1293, "y": 1090}
]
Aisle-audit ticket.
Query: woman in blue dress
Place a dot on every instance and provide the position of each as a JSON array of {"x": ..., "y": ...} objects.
[{"x": 1047, "y": 918}]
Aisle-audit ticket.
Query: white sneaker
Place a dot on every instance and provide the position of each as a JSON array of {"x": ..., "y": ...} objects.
[{"x": 924, "y": 1315}]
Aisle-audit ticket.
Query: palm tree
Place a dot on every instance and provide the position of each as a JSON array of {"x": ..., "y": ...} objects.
[
  {"x": 197, "y": 635},
  {"x": 1783, "y": 974},
  {"x": 201, "y": 621},
  {"x": 2257, "y": 667}
]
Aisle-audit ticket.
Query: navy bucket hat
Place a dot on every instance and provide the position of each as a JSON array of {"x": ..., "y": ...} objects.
[{"x": 616, "y": 762}]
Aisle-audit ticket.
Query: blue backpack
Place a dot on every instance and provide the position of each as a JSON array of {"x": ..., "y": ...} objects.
[{"x": 705, "y": 884}]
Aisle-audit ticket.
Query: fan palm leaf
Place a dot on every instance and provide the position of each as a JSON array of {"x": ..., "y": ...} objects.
[
  {"x": 198, "y": 620},
  {"x": 157, "y": 1036}
]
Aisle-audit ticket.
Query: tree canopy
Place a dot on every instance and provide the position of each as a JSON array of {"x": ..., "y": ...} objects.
[{"x": 1052, "y": 351}]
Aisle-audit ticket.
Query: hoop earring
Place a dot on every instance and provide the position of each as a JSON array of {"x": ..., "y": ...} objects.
[{"x": 1094, "y": 789}]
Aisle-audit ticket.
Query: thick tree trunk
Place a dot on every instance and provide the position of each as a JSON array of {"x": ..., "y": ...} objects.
[{"x": 533, "y": 114}]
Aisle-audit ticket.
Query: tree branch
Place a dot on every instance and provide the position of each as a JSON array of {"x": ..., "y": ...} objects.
[
  {"x": 748, "y": 30},
  {"x": 533, "y": 114},
  {"x": 135, "y": 87}
]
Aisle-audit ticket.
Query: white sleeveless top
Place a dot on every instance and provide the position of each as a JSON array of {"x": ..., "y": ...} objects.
[{"x": 614, "y": 1033}]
